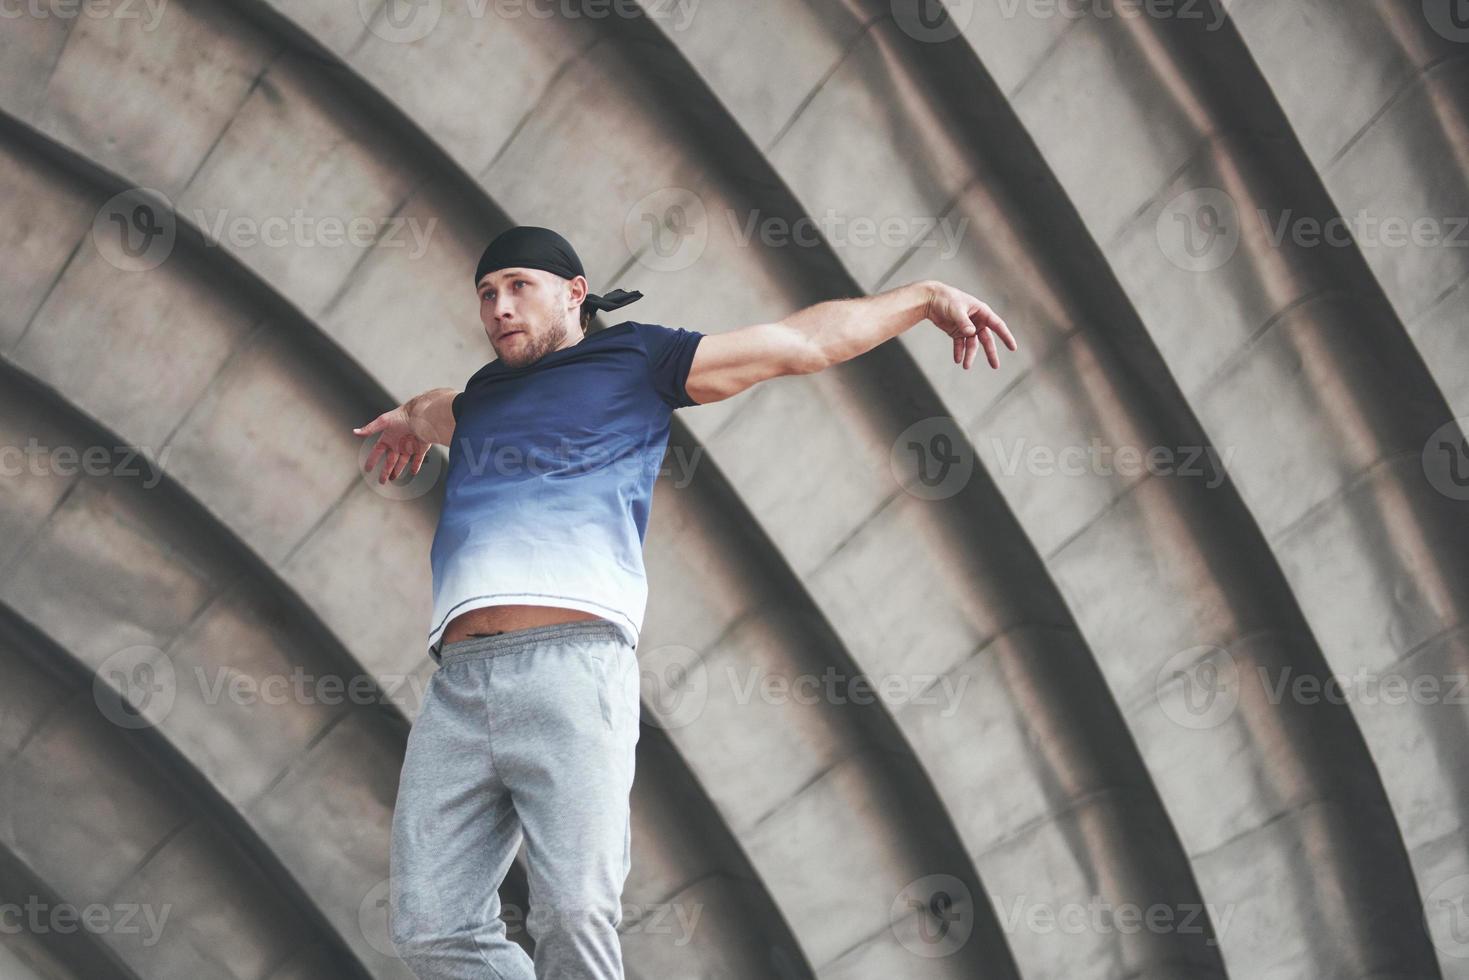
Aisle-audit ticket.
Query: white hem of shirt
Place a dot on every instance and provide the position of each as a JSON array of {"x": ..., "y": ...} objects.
[{"x": 616, "y": 616}]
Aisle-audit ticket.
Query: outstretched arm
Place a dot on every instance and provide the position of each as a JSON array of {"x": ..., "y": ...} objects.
[{"x": 827, "y": 333}]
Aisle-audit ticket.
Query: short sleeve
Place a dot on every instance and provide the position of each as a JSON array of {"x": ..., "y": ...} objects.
[{"x": 670, "y": 355}]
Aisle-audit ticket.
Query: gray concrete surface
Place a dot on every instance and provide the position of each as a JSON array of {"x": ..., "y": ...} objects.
[{"x": 1105, "y": 651}]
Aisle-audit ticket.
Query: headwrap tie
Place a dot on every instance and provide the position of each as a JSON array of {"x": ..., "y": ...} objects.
[{"x": 530, "y": 247}]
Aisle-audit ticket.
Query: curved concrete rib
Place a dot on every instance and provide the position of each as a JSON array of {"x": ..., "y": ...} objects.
[
  {"x": 849, "y": 936},
  {"x": 1391, "y": 144},
  {"x": 74, "y": 953},
  {"x": 1293, "y": 360},
  {"x": 698, "y": 857},
  {"x": 102, "y": 824}
]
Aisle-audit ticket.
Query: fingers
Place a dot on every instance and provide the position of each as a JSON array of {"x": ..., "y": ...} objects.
[
  {"x": 987, "y": 317},
  {"x": 373, "y": 426},
  {"x": 986, "y": 324},
  {"x": 374, "y": 455}
]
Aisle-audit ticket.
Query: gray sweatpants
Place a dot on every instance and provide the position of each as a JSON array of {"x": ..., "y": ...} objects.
[{"x": 529, "y": 732}]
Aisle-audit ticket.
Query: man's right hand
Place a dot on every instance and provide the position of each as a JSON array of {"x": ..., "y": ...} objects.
[{"x": 402, "y": 442}]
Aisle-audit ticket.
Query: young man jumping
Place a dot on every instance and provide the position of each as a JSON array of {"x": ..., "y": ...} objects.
[{"x": 530, "y": 723}]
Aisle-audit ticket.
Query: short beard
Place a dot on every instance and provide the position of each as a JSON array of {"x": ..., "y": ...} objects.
[{"x": 552, "y": 339}]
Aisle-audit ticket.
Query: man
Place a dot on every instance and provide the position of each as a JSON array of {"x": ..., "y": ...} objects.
[{"x": 529, "y": 724}]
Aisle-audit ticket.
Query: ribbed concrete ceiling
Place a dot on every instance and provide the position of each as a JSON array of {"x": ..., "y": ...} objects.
[{"x": 1061, "y": 622}]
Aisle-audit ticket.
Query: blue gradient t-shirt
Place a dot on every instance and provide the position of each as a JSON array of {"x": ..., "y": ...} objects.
[{"x": 550, "y": 478}]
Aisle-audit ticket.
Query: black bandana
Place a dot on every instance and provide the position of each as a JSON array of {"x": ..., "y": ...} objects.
[{"x": 529, "y": 247}]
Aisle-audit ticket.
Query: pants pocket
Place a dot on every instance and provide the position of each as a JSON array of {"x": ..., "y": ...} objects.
[{"x": 599, "y": 679}]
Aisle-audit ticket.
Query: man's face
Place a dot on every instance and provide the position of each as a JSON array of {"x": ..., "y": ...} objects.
[{"x": 527, "y": 313}]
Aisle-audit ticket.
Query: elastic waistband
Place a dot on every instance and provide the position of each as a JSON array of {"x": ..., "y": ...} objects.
[{"x": 514, "y": 641}]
